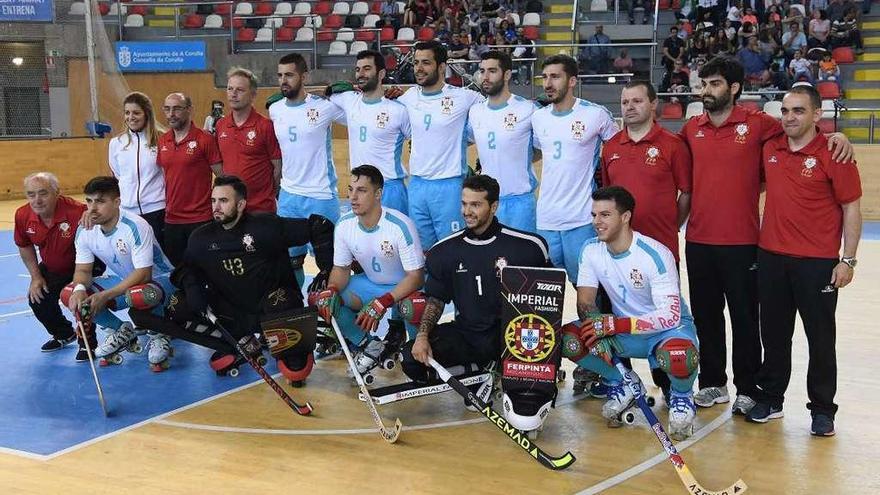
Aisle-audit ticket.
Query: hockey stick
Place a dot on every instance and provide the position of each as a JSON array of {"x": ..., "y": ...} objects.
[
  {"x": 390, "y": 435},
  {"x": 82, "y": 332},
  {"x": 518, "y": 437},
  {"x": 675, "y": 458},
  {"x": 421, "y": 391},
  {"x": 302, "y": 410}
]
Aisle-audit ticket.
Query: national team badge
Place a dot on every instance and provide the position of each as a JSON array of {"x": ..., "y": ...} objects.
[
  {"x": 500, "y": 263},
  {"x": 742, "y": 130},
  {"x": 121, "y": 247},
  {"x": 446, "y": 105},
  {"x": 529, "y": 338},
  {"x": 772, "y": 159},
  {"x": 312, "y": 115},
  {"x": 248, "y": 241},
  {"x": 651, "y": 155},
  {"x": 577, "y": 130},
  {"x": 387, "y": 249},
  {"x": 699, "y": 134},
  {"x": 510, "y": 121},
  {"x": 251, "y": 135},
  {"x": 382, "y": 120},
  {"x": 191, "y": 147},
  {"x": 635, "y": 276},
  {"x": 66, "y": 232},
  {"x": 809, "y": 164}
]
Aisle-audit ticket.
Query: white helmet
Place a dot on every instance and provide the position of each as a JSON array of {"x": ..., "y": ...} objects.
[{"x": 530, "y": 414}]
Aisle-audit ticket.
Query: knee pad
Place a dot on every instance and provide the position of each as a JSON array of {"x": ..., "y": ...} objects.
[
  {"x": 296, "y": 367},
  {"x": 145, "y": 296},
  {"x": 412, "y": 306},
  {"x": 678, "y": 357},
  {"x": 67, "y": 291},
  {"x": 526, "y": 411},
  {"x": 572, "y": 346}
]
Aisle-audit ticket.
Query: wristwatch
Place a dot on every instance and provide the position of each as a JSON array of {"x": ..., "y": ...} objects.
[{"x": 849, "y": 261}]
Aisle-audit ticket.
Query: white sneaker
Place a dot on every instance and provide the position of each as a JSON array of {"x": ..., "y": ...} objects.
[
  {"x": 116, "y": 341},
  {"x": 368, "y": 358},
  {"x": 743, "y": 404},
  {"x": 620, "y": 398},
  {"x": 681, "y": 416},
  {"x": 160, "y": 348},
  {"x": 709, "y": 396}
]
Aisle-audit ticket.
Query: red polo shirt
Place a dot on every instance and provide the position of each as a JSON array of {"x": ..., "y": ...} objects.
[
  {"x": 247, "y": 151},
  {"x": 653, "y": 170},
  {"x": 805, "y": 191},
  {"x": 187, "y": 167},
  {"x": 55, "y": 242},
  {"x": 727, "y": 176}
]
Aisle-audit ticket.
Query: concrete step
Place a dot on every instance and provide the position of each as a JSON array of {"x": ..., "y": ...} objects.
[
  {"x": 867, "y": 75},
  {"x": 556, "y": 36},
  {"x": 562, "y": 9},
  {"x": 860, "y": 84},
  {"x": 872, "y": 41},
  {"x": 862, "y": 94},
  {"x": 559, "y": 22},
  {"x": 869, "y": 57},
  {"x": 860, "y": 134},
  {"x": 869, "y": 25}
]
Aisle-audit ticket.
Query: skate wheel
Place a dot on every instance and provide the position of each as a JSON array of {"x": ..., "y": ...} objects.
[
  {"x": 297, "y": 384},
  {"x": 389, "y": 364},
  {"x": 262, "y": 361},
  {"x": 135, "y": 348},
  {"x": 368, "y": 379},
  {"x": 560, "y": 376},
  {"x": 116, "y": 359},
  {"x": 333, "y": 349},
  {"x": 233, "y": 372},
  {"x": 629, "y": 418},
  {"x": 651, "y": 401},
  {"x": 578, "y": 388}
]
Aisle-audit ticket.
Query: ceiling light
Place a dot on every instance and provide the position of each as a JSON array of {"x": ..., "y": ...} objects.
[{"x": 17, "y": 60}]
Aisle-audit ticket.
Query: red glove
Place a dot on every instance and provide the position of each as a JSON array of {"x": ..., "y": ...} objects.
[
  {"x": 393, "y": 92},
  {"x": 369, "y": 316},
  {"x": 328, "y": 302},
  {"x": 604, "y": 325}
]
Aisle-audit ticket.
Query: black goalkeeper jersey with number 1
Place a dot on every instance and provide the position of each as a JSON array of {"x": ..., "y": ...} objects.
[{"x": 466, "y": 269}]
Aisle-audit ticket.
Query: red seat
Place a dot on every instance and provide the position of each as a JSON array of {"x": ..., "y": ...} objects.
[
  {"x": 387, "y": 34},
  {"x": 672, "y": 111},
  {"x": 390, "y": 62},
  {"x": 828, "y": 90},
  {"x": 294, "y": 22},
  {"x": 193, "y": 21},
  {"x": 103, "y": 8},
  {"x": 425, "y": 34},
  {"x": 222, "y": 8},
  {"x": 245, "y": 34},
  {"x": 676, "y": 4},
  {"x": 531, "y": 32},
  {"x": 322, "y": 8},
  {"x": 333, "y": 21},
  {"x": 326, "y": 35},
  {"x": 664, "y": 4},
  {"x": 843, "y": 55},
  {"x": 750, "y": 104},
  {"x": 367, "y": 36},
  {"x": 264, "y": 8},
  {"x": 376, "y": 8},
  {"x": 827, "y": 126},
  {"x": 237, "y": 22},
  {"x": 284, "y": 34},
  {"x": 137, "y": 9}
]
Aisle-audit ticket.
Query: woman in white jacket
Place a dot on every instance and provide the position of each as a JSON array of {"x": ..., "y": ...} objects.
[{"x": 132, "y": 159}]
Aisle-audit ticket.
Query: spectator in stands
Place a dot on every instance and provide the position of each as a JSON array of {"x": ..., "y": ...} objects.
[
  {"x": 734, "y": 14},
  {"x": 473, "y": 22},
  {"x": 699, "y": 48},
  {"x": 750, "y": 16},
  {"x": 793, "y": 40},
  {"x": 491, "y": 8},
  {"x": 746, "y": 32},
  {"x": 646, "y": 6},
  {"x": 828, "y": 69},
  {"x": 508, "y": 31},
  {"x": 479, "y": 47},
  {"x": 676, "y": 81},
  {"x": 820, "y": 28},
  {"x": 818, "y": 5},
  {"x": 442, "y": 32},
  {"x": 756, "y": 68},
  {"x": 800, "y": 68},
  {"x": 768, "y": 46},
  {"x": 720, "y": 44},
  {"x": 707, "y": 23},
  {"x": 730, "y": 30},
  {"x": 525, "y": 49},
  {"x": 696, "y": 83},
  {"x": 773, "y": 16},
  {"x": 456, "y": 49},
  {"x": 595, "y": 57},
  {"x": 836, "y": 10},
  {"x": 673, "y": 48},
  {"x": 684, "y": 29},
  {"x": 623, "y": 63},
  {"x": 216, "y": 114},
  {"x": 794, "y": 15},
  {"x": 711, "y": 7},
  {"x": 535, "y": 6},
  {"x": 390, "y": 14},
  {"x": 845, "y": 32}
]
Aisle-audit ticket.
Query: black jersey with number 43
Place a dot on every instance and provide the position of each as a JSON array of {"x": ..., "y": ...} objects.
[
  {"x": 246, "y": 262},
  {"x": 466, "y": 269}
]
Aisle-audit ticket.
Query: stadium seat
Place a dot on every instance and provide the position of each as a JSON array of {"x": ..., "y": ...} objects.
[
  {"x": 671, "y": 111},
  {"x": 294, "y": 22},
  {"x": 283, "y": 8},
  {"x": 843, "y": 55},
  {"x": 193, "y": 21},
  {"x": 773, "y": 109},
  {"x": 828, "y": 90},
  {"x": 325, "y": 35},
  {"x": 77, "y": 8},
  {"x": 376, "y": 8},
  {"x": 345, "y": 34},
  {"x": 314, "y": 21},
  {"x": 304, "y": 34},
  {"x": 515, "y": 17},
  {"x": 390, "y": 62},
  {"x": 284, "y": 35},
  {"x": 322, "y": 8},
  {"x": 826, "y": 126},
  {"x": 750, "y": 104},
  {"x": 354, "y": 21},
  {"x": 360, "y": 8},
  {"x": 264, "y": 8},
  {"x": 274, "y": 22},
  {"x": 694, "y": 109},
  {"x": 828, "y": 109},
  {"x": 367, "y": 36},
  {"x": 333, "y": 21},
  {"x": 237, "y": 22},
  {"x": 405, "y": 34},
  {"x": 337, "y": 48},
  {"x": 531, "y": 19},
  {"x": 138, "y": 9},
  {"x": 302, "y": 8},
  {"x": 213, "y": 21},
  {"x": 115, "y": 9},
  {"x": 387, "y": 34},
  {"x": 425, "y": 34},
  {"x": 134, "y": 20},
  {"x": 244, "y": 8},
  {"x": 664, "y": 4},
  {"x": 531, "y": 32},
  {"x": 599, "y": 6},
  {"x": 357, "y": 47},
  {"x": 245, "y": 34},
  {"x": 341, "y": 8},
  {"x": 223, "y": 9},
  {"x": 370, "y": 20},
  {"x": 264, "y": 34},
  {"x": 103, "y": 8}
]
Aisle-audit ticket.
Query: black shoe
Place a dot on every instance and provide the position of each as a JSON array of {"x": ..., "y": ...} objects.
[
  {"x": 763, "y": 412},
  {"x": 54, "y": 344},
  {"x": 81, "y": 355},
  {"x": 823, "y": 426}
]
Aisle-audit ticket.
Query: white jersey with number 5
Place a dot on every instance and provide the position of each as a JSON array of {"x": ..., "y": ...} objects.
[
  {"x": 641, "y": 282},
  {"x": 439, "y": 140},
  {"x": 130, "y": 246},
  {"x": 570, "y": 143},
  {"x": 385, "y": 252},
  {"x": 503, "y": 135},
  {"x": 304, "y": 131},
  {"x": 376, "y": 132}
]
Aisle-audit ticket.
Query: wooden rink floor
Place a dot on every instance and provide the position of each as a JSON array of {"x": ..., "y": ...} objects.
[{"x": 248, "y": 441}]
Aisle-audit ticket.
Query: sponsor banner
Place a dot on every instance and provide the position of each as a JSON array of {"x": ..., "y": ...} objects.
[
  {"x": 517, "y": 369},
  {"x": 27, "y": 10},
  {"x": 161, "y": 56}
]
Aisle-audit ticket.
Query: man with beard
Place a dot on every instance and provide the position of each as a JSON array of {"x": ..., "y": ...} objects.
[
  {"x": 187, "y": 155},
  {"x": 502, "y": 129},
  {"x": 438, "y": 163},
  {"x": 376, "y": 126},
  {"x": 239, "y": 266},
  {"x": 722, "y": 232},
  {"x": 303, "y": 124}
]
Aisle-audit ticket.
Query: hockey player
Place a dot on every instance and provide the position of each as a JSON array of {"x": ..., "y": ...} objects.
[
  {"x": 465, "y": 268},
  {"x": 238, "y": 265},
  {"x": 376, "y": 126},
  {"x": 384, "y": 242},
  {"x": 438, "y": 114},
  {"x": 124, "y": 242},
  {"x": 650, "y": 319},
  {"x": 502, "y": 129},
  {"x": 303, "y": 126}
]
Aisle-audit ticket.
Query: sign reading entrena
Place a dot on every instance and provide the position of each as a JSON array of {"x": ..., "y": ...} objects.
[
  {"x": 26, "y": 10},
  {"x": 160, "y": 56}
]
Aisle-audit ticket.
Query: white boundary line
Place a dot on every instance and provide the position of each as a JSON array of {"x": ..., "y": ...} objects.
[
  {"x": 17, "y": 313},
  {"x": 8, "y": 255}
]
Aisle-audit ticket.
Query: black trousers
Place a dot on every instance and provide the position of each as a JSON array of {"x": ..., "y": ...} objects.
[
  {"x": 176, "y": 236},
  {"x": 452, "y": 345},
  {"x": 790, "y": 285},
  {"x": 718, "y": 274},
  {"x": 47, "y": 311},
  {"x": 156, "y": 219}
]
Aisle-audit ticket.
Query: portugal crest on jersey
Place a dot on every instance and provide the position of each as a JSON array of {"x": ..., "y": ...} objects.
[
  {"x": 382, "y": 120},
  {"x": 251, "y": 135},
  {"x": 387, "y": 249},
  {"x": 312, "y": 115},
  {"x": 65, "y": 229},
  {"x": 742, "y": 130},
  {"x": 121, "y": 247},
  {"x": 509, "y": 121},
  {"x": 500, "y": 263},
  {"x": 191, "y": 147},
  {"x": 446, "y": 105},
  {"x": 637, "y": 279},
  {"x": 577, "y": 130},
  {"x": 248, "y": 241},
  {"x": 651, "y": 155},
  {"x": 809, "y": 163}
]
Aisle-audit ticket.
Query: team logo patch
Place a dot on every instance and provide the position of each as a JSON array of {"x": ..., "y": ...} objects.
[
  {"x": 635, "y": 276},
  {"x": 742, "y": 130},
  {"x": 191, "y": 147},
  {"x": 500, "y": 263},
  {"x": 281, "y": 339},
  {"x": 772, "y": 159},
  {"x": 31, "y": 229},
  {"x": 577, "y": 130},
  {"x": 529, "y": 338},
  {"x": 382, "y": 120},
  {"x": 809, "y": 164},
  {"x": 651, "y": 155},
  {"x": 65, "y": 229},
  {"x": 277, "y": 297},
  {"x": 699, "y": 134},
  {"x": 446, "y": 105},
  {"x": 614, "y": 156},
  {"x": 251, "y": 135},
  {"x": 214, "y": 247},
  {"x": 510, "y": 121},
  {"x": 223, "y": 135},
  {"x": 121, "y": 247},
  {"x": 461, "y": 268},
  {"x": 312, "y": 116},
  {"x": 387, "y": 249},
  {"x": 248, "y": 241},
  {"x": 164, "y": 148}
]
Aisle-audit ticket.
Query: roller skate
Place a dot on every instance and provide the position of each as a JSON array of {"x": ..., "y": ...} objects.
[
  {"x": 226, "y": 364},
  {"x": 110, "y": 352},
  {"x": 160, "y": 352},
  {"x": 682, "y": 411},
  {"x": 583, "y": 380},
  {"x": 381, "y": 353},
  {"x": 326, "y": 345},
  {"x": 296, "y": 368}
]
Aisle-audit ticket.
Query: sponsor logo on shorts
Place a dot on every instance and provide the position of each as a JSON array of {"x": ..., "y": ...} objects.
[
  {"x": 532, "y": 371},
  {"x": 557, "y": 288}
]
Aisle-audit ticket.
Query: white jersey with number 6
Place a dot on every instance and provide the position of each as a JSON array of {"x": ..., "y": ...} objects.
[
  {"x": 385, "y": 252},
  {"x": 130, "y": 246}
]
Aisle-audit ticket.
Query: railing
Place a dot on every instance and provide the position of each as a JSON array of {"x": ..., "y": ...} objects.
[{"x": 872, "y": 118}]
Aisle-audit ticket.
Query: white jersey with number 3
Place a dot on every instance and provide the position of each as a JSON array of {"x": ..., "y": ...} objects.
[{"x": 385, "y": 252}]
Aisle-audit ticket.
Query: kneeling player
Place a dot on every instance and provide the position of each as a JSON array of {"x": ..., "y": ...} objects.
[
  {"x": 384, "y": 242},
  {"x": 649, "y": 320},
  {"x": 125, "y": 243}
]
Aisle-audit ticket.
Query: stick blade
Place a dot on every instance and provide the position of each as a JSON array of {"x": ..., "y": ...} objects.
[
  {"x": 305, "y": 410},
  {"x": 557, "y": 463},
  {"x": 390, "y": 436}
]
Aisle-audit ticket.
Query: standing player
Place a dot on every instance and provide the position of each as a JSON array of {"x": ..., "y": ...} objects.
[
  {"x": 465, "y": 268},
  {"x": 377, "y": 128},
  {"x": 502, "y": 128},
  {"x": 247, "y": 142},
  {"x": 188, "y": 155},
  {"x": 654, "y": 165},
  {"x": 124, "y": 242},
  {"x": 304, "y": 127},
  {"x": 438, "y": 115},
  {"x": 569, "y": 134},
  {"x": 812, "y": 200},
  {"x": 383, "y": 241},
  {"x": 722, "y": 231},
  {"x": 650, "y": 319}
]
